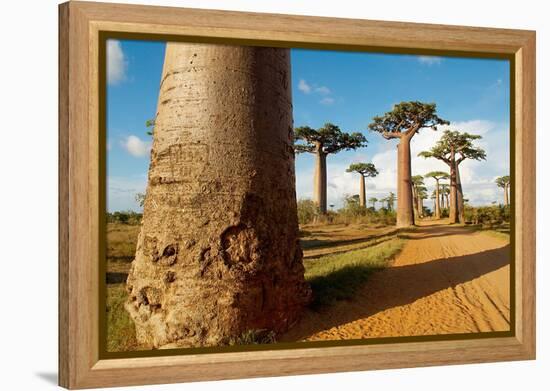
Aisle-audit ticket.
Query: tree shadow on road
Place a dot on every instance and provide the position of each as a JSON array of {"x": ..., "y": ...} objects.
[{"x": 401, "y": 285}]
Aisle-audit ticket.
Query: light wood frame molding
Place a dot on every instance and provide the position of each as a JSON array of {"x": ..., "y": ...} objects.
[{"x": 80, "y": 23}]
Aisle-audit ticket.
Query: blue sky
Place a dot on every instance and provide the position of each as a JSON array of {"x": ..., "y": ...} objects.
[{"x": 344, "y": 88}]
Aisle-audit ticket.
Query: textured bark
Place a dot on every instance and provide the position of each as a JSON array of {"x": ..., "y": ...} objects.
[
  {"x": 405, "y": 214},
  {"x": 362, "y": 193},
  {"x": 415, "y": 202},
  {"x": 453, "y": 209},
  {"x": 506, "y": 202},
  {"x": 320, "y": 181},
  {"x": 437, "y": 205},
  {"x": 459, "y": 196},
  {"x": 218, "y": 252}
]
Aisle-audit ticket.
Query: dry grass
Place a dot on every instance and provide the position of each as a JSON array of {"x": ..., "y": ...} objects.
[
  {"x": 121, "y": 247},
  {"x": 121, "y": 241},
  {"x": 121, "y": 334}
]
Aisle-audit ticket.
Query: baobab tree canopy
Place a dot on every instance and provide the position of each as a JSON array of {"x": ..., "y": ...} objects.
[
  {"x": 407, "y": 118},
  {"x": 437, "y": 175},
  {"x": 365, "y": 169},
  {"x": 503, "y": 181},
  {"x": 453, "y": 142},
  {"x": 327, "y": 139}
]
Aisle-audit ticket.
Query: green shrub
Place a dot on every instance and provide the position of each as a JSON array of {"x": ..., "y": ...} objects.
[
  {"x": 307, "y": 211},
  {"x": 124, "y": 217},
  {"x": 487, "y": 215}
]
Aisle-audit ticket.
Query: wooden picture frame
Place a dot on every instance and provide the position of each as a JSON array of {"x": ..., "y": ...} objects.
[{"x": 80, "y": 27}]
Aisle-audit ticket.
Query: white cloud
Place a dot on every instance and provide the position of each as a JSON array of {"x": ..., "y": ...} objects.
[
  {"x": 327, "y": 101},
  {"x": 304, "y": 87},
  {"x": 429, "y": 60},
  {"x": 121, "y": 192},
  {"x": 477, "y": 176},
  {"x": 136, "y": 147},
  {"x": 116, "y": 62},
  {"x": 322, "y": 90}
]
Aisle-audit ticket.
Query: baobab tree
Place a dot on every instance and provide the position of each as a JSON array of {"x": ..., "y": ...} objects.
[
  {"x": 432, "y": 196},
  {"x": 365, "y": 170},
  {"x": 416, "y": 182},
  {"x": 403, "y": 122},
  {"x": 445, "y": 191},
  {"x": 421, "y": 194},
  {"x": 390, "y": 200},
  {"x": 453, "y": 148},
  {"x": 203, "y": 274},
  {"x": 504, "y": 183},
  {"x": 437, "y": 176},
  {"x": 373, "y": 201},
  {"x": 326, "y": 140}
]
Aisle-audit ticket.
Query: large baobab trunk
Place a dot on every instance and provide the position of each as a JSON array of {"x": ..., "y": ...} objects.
[
  {"x": 320, "y": 182},
  {"x": 218, "y": 252},
  {"x": 362, "y": 193},
  {"x": 459, "y": 196},
  {"x": 437, "y": 200},
  {"x": 405, "y": 214}
]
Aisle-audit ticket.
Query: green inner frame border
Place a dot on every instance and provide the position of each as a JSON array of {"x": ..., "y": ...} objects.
[{"x": 102, "y": 106}]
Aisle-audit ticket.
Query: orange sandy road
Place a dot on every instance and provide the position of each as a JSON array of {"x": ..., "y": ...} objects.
[{"x": 446, "y": 280}]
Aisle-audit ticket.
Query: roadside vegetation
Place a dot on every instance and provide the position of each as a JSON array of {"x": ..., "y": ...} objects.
[
  {"x": 338, "y": 260},
  {"x": 339, "y": 276}
]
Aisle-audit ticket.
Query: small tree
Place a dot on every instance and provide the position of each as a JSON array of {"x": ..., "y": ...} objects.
[
  {"x": 326, "y": 140},
  {"x": 453, "y": 148},
  {"x": 390, "y": 200},
  {"x": 373, "y": 201},
  {"x": 140, "y": 199},
  {"x": 421, "y": 194},
  {"x": 150, "y": 125},
  {"x": 445, "y": 191},
  {"x": 416, "y": 182},
  {"x": 403, "y": 122},
  {"x": 433, "y": 197},
  {"x": 365, "y": 170},
  {"x": 437, "y": 176},
  {"x": 307, "y": 211},
  {"x": 504, "y": 183}
]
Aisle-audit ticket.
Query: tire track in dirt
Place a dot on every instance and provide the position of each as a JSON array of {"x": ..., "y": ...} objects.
[{"x": 446, "y": 280}]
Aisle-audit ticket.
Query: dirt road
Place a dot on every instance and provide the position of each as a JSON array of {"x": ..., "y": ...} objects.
[{"x": 446, "y": 280}]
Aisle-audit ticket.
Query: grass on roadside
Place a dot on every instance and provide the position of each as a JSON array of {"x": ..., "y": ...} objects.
[
  {"x": 121, "y": 333},
  {"x": 338, "y": 277}
]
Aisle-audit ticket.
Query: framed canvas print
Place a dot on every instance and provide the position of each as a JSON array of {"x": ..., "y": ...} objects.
[{"x": 248, "y": 195}]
